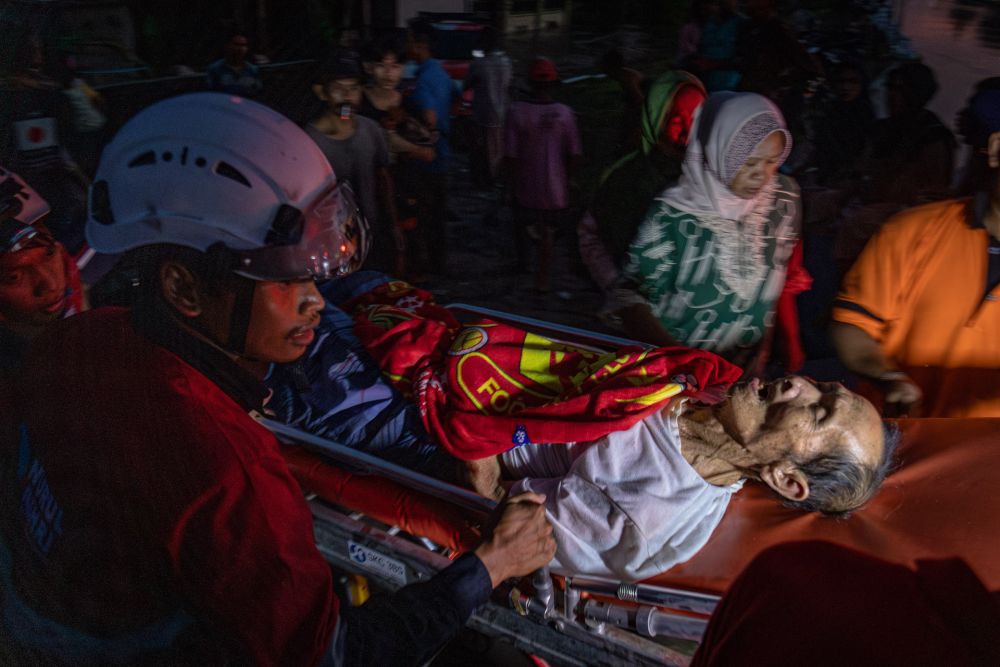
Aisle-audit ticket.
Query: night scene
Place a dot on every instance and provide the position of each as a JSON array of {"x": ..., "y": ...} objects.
[{"x": 499, "y": 332}]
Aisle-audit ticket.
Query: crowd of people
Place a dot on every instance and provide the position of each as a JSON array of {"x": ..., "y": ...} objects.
[{"x": 260, "y": 268}]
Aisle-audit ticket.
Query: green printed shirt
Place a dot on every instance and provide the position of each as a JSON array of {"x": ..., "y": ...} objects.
[{"x": 713, "y": 283}]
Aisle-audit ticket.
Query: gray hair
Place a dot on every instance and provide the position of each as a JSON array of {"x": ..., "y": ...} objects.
[{"x": 839, "y": 483}]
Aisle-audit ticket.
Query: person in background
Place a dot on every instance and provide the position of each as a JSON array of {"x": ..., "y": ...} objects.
[
  {"x": 844, "y": 126},
  {"x": 715, "y": 62},
  {"x": 972, "y": 131},
  {"x": 232, "y": 73},
  {"x": 918, "y": 316},
  {"x": 542, "y": 146},
  {"x": 356, "y": 148},
  {"x": 409, "y": 142},
  {"x": 382, "y": 101},
  {"x": 489, "y": 79},
  {"x": 909, "y": 161},
  {"x": 39, "y": 282},
  {"x": 87, "y": 119},
  {"x": 156, "y": 521},
  {"x": 630, "y": 81},
  {"x": 689, "y": 35},
  {"x": 628, "y": 188},
  {"x": 430, "y": 103},
  {"x": 771, "y": 60},
  {"x": 912, "y": 152},
  {"x": 713, "y": 255},
  {"x": 36, "y": 121}
]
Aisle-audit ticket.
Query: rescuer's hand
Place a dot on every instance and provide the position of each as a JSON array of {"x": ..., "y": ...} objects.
[
  {"x": 902, "y": 397},
  {"x": 521, "y": 542}
]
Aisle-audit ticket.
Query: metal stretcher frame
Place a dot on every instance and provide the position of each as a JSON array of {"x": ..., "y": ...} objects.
[{"x": 573, "y": 621}]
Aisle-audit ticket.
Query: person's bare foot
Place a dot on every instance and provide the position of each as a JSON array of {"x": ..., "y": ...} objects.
[{"x": 483, "y": 477}]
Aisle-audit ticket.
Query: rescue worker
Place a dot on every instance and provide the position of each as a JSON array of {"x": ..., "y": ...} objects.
[
  {"x": 39, "y": 282},
  {"x": 155, "y": 520}
]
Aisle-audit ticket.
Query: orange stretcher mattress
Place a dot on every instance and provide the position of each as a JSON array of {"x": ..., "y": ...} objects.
[
  {"x": 942, "y": 501},
  {"x": 386, "y": 501}
]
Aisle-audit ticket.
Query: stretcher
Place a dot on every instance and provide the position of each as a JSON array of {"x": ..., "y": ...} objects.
[{"x": 395, "y": 527}]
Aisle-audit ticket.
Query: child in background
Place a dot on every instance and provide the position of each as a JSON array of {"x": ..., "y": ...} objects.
[
  {"x": 381, "y": 100},
  {"x": 542, "y": 146},
  {"x": 408, "y": 140}
]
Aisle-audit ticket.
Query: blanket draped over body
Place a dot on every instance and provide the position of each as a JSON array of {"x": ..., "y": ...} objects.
[{"x": 485, "y": 387}]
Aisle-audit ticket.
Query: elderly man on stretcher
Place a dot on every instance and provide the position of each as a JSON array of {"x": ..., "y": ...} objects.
[{"x": 637, "y": 451}]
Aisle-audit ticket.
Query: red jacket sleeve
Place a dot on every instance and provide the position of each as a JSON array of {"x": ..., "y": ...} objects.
[{"x": 244, "y": 554}]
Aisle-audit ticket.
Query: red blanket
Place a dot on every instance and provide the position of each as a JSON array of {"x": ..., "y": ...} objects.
[{"x": 486, "y": 387}]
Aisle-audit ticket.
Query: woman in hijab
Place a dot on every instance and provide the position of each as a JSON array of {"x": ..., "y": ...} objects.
[
  {"x": 628, "y": 187},
  {"x": 709, "y": 262}
]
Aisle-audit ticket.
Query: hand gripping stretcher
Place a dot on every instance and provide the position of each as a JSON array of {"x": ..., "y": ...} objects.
[{"x": 395, "y": 526}]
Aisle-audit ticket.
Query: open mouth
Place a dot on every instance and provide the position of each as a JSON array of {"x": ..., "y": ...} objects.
[
  {"x": 56, "y": 306},
  {"x": 760, "y": 389}
]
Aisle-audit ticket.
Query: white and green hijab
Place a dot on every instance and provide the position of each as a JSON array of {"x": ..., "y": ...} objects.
[{"x": 709, "y": 263}]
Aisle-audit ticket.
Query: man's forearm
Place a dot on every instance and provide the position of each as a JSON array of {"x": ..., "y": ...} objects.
[
  {"x": 863, "y": 355},
  {"x": 408, "y": 626},
  {"x": 859, "y": 352},
  {"x": 640, "y": 323}
]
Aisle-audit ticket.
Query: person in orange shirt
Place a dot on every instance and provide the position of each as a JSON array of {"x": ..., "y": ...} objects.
[{"x": 917, "y": 315}]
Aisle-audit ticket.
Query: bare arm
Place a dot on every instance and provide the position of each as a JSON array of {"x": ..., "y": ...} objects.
[
  {"x": 398, "y": 144},
  {"x": 640, "y": 323},
  {"x": 862, "y": 355}
]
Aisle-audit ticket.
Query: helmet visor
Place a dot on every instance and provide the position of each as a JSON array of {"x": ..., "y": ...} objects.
[{"x": 327, "y": 240}]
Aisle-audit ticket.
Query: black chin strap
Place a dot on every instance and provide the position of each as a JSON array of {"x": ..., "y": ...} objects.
[{"x": 239, "y": 321}]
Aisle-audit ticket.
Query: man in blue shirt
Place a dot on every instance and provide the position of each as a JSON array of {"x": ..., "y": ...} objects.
[
  {"x": 431, "y": 104},
  {"x": 233, "y": 74}
]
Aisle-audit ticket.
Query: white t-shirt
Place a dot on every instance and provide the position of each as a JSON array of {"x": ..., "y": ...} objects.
[{"x": 627, "y": 505}]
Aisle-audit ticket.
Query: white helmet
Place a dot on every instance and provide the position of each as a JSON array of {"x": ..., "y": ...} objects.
[{"x": 210, "y": 170}]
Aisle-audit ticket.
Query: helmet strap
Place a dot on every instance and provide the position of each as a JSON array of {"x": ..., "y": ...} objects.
[{"x": 239, "y": 321}]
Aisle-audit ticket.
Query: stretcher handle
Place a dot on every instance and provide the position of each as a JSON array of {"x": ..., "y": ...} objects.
[
  {"x": 541, "y": 580},
  {"x": 368, "y": 464},
  {"x": 564, "y": 332}
]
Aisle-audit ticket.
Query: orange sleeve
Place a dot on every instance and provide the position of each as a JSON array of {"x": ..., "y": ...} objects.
[{"x": 871, "y": 294}]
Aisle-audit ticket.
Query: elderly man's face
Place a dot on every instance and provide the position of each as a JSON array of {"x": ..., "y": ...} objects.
[{"x": 795, "y": 416}]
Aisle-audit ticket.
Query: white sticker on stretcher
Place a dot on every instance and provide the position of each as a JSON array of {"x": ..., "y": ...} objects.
[{"x": 376, "y": 563}]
